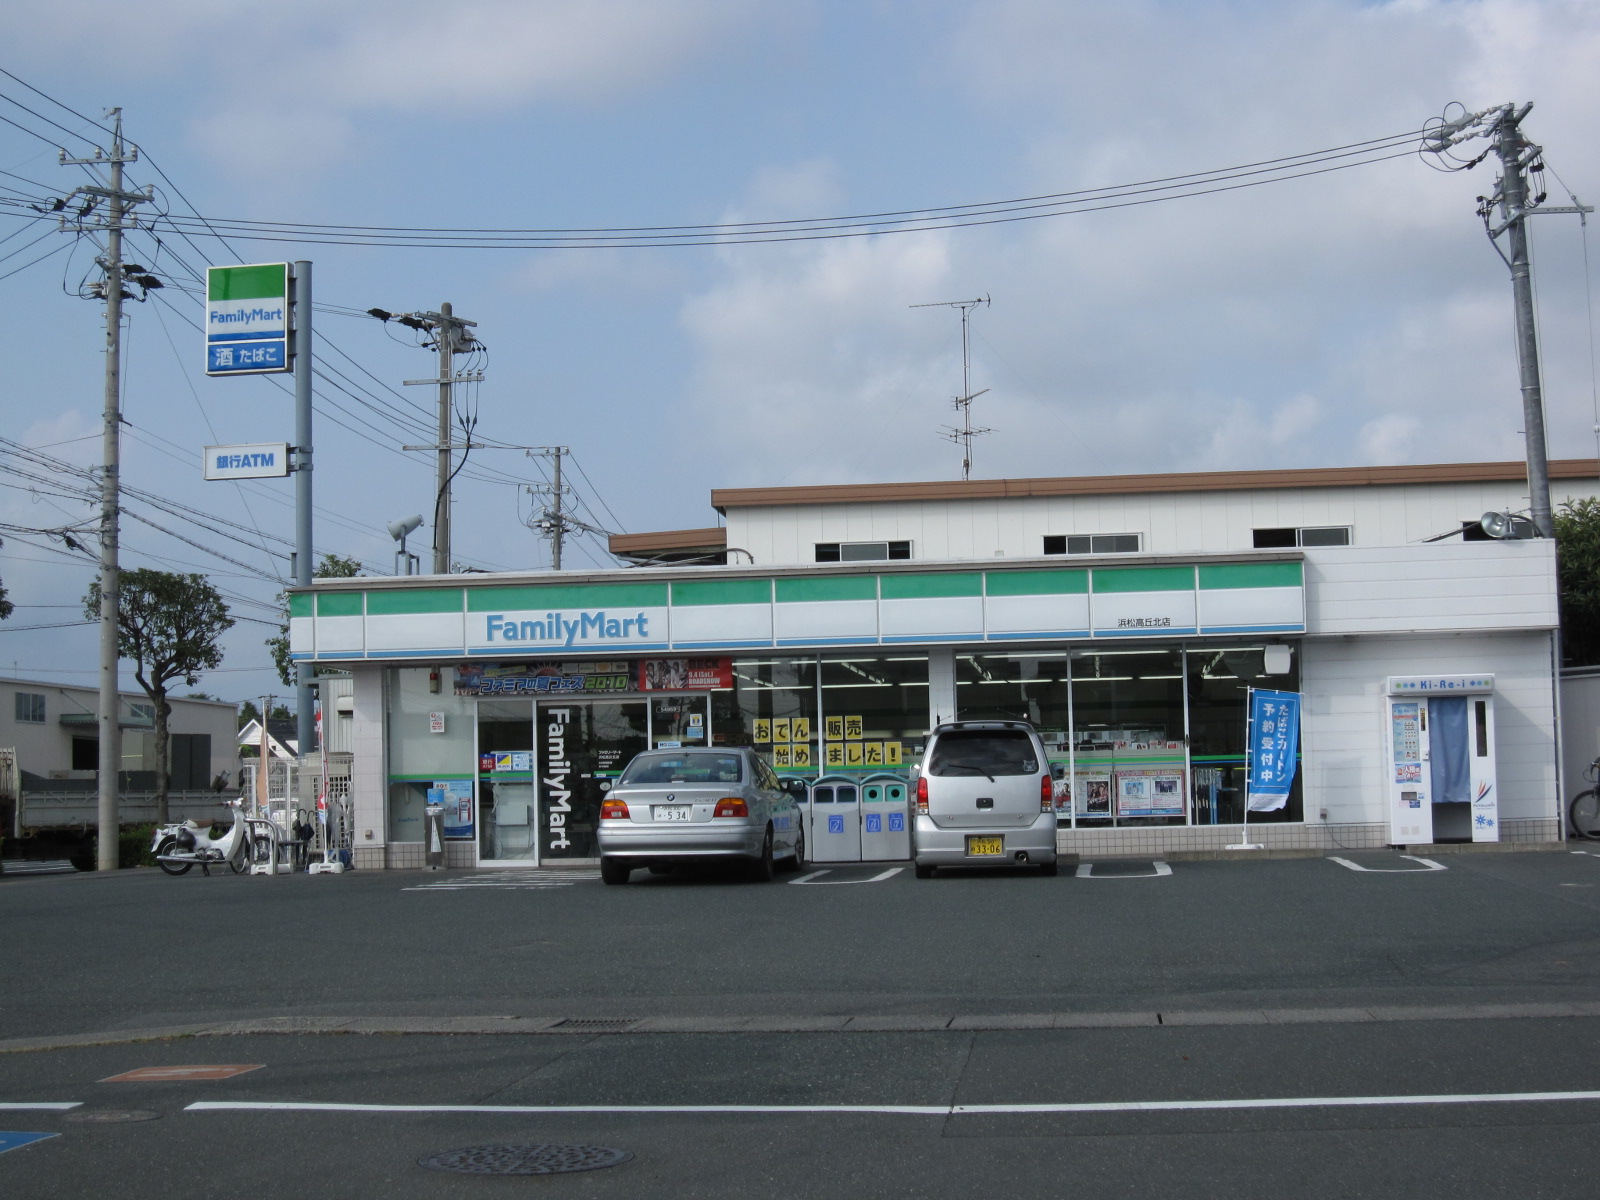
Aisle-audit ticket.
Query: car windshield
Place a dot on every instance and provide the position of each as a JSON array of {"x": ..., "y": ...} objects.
[
  {"x": 988, "y": 752},
  {"x": 655, "y": 768}
]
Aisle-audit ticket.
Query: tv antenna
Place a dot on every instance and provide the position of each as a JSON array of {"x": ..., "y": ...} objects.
[{"x": 963, "y": 403}]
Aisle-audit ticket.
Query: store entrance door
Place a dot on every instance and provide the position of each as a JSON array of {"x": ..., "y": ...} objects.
[
  {"x": 678, "y": 721},
  {"x": 578, "y": 745}
]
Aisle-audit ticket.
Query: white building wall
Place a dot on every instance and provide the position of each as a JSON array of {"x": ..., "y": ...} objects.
[
  {"x": 369, "y": 778},
  {"x": 1345, "y": 722},
  {"x": 1175, "y": 523}
]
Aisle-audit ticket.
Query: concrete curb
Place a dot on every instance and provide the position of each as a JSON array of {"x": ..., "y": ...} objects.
[{"x": 875, "y": 1023}]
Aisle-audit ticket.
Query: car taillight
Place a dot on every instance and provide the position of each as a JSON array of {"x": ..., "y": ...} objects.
[
  {"x": 731, "y": 806},
  {"x": 613, "y": 810},
  {"x": 922, "y": 794},
  {"x": 1047, "y": 794}
]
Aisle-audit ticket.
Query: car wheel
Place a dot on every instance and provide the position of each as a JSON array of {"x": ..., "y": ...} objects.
[
  {"x": 798, "y": 862},
  {"x": 762, "y": 869},
  {"x": 614, "y": 870},
  {"x": 924, "y": 870}
]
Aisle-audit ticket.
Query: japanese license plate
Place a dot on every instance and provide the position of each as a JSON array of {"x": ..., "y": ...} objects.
[
  {"x": 984, "y": 846},
  {"x": 671, "y": 812}
]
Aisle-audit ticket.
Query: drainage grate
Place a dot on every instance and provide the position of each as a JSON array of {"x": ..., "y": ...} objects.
[
  {"x": 597, "y": 1024},
  {"x": 524, "y": 1160}
]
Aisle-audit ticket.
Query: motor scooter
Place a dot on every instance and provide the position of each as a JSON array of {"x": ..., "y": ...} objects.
[{"x": 177, "y": 847}]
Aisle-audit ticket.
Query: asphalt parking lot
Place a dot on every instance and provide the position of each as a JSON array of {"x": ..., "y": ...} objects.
[{"x": 1375, "y": 1026}]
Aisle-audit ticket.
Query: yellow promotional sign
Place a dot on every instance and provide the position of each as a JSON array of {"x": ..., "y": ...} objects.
[
  {"x": 763, "y": 731},
  {"x": 835, "y": 728},
  {"x": 874, "y": 753},
  {"x": 852, "y": 727},
  {"x": 780, "y": 755},
  {"x": 799, "y": 729},
  {"x": 853, "y": 756},
  {"x": 780, "y": 729},
  {"x": 891, "y": 754},
  {"x": 800, "y": 754},
  {"x": 833, "y": 754}
]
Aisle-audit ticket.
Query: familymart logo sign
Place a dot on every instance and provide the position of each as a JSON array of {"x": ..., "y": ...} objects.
[
  {"x": 592, "y": 627},
  {"x": 247, "y": 319}
]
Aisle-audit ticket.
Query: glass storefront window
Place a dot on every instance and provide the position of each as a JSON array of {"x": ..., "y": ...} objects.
[
  {"x": 506, "y": 805},
  {"x": 874, "y": 712},
  {"x": 771, "y": 697},
  {"x": 1217, "y": 680},
  {"x": 1128, "y": 735}
]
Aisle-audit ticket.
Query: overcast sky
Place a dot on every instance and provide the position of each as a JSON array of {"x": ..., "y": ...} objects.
[{"x": 1348, "y": 318}]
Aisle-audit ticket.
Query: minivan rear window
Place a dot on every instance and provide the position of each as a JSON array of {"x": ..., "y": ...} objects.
[
  {"x": 682, "y": 768},
  {"x": 983, "y": 751}
]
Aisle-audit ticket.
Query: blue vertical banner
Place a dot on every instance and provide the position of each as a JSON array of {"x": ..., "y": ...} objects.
[{"x": 1273, "y": 750}]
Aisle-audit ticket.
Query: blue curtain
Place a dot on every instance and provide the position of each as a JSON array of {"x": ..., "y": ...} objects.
[{"x": 1447, "y": 741}]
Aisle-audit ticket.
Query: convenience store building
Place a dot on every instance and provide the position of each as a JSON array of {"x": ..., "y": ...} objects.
[{"x": 1126, "y": 617}]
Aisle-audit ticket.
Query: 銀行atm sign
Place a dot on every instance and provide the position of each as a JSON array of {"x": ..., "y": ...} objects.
[{"x": 247, "y": 319}]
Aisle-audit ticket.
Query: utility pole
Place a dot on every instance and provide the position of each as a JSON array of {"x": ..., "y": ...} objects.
[
  {"x": 450, "y": 336},
  {"x": 1506, "y": 212},
  {"x": 305, "y": 720},
  {"x": 554, "y": 521},
  {"x": 118, "y": 202},
  {"x": 963, "y": 403}
]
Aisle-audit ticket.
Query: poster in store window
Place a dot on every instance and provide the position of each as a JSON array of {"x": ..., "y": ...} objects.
[
  {"x": 456, "y": 797},
  {"x": 1149, "y": 792},
  {"x": 1095, "y": 788}
]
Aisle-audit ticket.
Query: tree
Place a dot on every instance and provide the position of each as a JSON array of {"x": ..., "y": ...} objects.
[
  {"x": 1577, "y": 525},
  {"x": 168, "y": 625},
  {"x": 6, "y": 607},
  {"x": 332, "y": 566}
]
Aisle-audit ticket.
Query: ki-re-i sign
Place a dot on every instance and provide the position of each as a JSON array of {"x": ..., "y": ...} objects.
[
  {"x": 247, "y": 319},
  {"x": 254, "y": 460}
]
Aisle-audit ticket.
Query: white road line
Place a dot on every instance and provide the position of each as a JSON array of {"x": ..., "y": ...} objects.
[
  {"x": 1427, "y": 865},
  {"x": 39, "y": 1106},
  {"x": 1590, "y": 853},
  {"x": 812, "y": 878},
  {"x": 930, "y": 1110},
  {"x": 508, "y": 880},
  {"x": 1086, "y": 871}
]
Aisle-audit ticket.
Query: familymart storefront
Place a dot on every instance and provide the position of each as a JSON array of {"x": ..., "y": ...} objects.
[{"x": 514, "y": 700}]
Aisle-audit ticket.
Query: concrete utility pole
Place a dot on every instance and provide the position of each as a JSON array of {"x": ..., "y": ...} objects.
[
  {"x": 1506, "y": 212},
  {"x": 450, "y": 335},
  {"x": 552, "y": 522},
  {"x": 305, "y": 719},
  {"x": 118, "y": 202}
]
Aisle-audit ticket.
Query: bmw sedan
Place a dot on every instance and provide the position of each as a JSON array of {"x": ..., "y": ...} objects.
[{"x": 699, "y": 805}]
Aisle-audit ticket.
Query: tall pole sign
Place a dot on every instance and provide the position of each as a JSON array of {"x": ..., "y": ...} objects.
[{"x": 247, "y": 319}]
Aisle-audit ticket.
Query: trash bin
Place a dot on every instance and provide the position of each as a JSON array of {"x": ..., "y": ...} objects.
[{"x": 434, "y": 856}]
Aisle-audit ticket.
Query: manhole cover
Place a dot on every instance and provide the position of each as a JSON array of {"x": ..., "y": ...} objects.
[
  {"x": 524, "y": 1160},
  {"x": 107, "y": 1116},
  {"x": 599, "y": 1024}
]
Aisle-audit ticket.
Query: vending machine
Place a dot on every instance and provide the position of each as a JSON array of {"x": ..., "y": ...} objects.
[{"x": 1439, "y": 737}]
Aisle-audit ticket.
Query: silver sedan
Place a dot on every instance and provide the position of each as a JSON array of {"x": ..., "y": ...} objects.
[{"x": 699, "y": 805}]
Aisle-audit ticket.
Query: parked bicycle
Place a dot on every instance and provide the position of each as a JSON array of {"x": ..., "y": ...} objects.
[{"x": 1584, "y": 811}]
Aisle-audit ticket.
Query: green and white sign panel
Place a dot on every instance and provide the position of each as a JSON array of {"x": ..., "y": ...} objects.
[
  {"x": 827, "y": 608},
  {"x": 247, "y": 319}
]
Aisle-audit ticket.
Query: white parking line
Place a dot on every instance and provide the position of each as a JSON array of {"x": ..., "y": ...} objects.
[
  {"x": 1590, "y": 853},
  {"x": 39, "y": 1105},
  {"x": 1427, "y": 865},
  {"x": 812, "y": 879},
  {"x": 931, "y": 1110},
  {"x": 518, "y": 880},
  {"x": 1086, "y": 871}
]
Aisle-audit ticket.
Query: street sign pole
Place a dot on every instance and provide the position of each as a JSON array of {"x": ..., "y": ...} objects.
[{"x": 304, "y": 722}]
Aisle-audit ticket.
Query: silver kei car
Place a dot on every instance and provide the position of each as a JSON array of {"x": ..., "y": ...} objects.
[
  {"x": 985, "y": 798},
  {"x": 699, "y": 804}
]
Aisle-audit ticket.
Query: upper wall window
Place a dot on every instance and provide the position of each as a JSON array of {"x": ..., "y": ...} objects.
[
  {"x": 142, "y": 712},
  {"x": 861, "y": 551},
  {"x": 1310, "y": 535},
  {"x": 30, "y": 707},
  {"x": 1094, "y": 543}
]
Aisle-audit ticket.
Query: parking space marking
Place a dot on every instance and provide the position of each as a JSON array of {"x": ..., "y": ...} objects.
[
  {"x": 929, "y": 1110},
  {"x": 1427, "y": 865},
  {"x": 1590, "y": 853},
  {"x": 517, "y": 880},
  {"x": 1086, "y": 871},
  {"x": 811, "y": 877}
]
